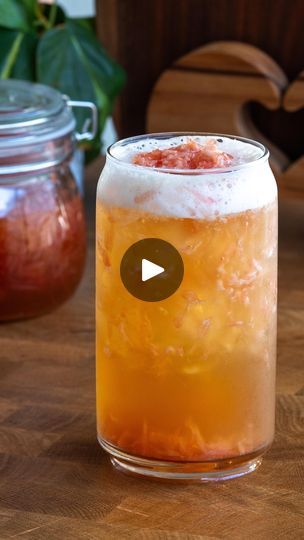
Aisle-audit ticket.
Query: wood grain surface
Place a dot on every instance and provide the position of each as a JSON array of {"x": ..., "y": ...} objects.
[{"x": 57, "y": 484}]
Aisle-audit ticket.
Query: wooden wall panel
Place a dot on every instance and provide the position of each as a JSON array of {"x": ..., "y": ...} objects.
[{"x": 146, "y": 36}]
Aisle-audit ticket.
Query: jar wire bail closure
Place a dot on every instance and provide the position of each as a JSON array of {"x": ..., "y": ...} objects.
[{"x": 92, "y": 122}]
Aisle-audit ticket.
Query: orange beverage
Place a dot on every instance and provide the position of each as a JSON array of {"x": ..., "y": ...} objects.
[{"x": 186, "y": 385}]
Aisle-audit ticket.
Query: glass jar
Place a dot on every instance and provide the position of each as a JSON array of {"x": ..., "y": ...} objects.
[{"x": 42, "y": 225}]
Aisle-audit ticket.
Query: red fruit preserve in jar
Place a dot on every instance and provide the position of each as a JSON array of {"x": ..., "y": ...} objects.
[{"x": 42, "y": 226}]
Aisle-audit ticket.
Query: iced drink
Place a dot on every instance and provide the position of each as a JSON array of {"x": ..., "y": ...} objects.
[{"x": 186, "y": 386}]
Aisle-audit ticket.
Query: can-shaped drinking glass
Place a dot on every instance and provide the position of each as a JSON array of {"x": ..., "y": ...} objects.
[{"x": 186, "y": 385}]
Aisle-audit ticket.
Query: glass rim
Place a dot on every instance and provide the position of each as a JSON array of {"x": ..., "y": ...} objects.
[{"x": 171, "y": 134}]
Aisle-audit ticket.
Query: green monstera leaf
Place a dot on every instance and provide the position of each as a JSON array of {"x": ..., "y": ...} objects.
[{"x": 71, "y": 59}]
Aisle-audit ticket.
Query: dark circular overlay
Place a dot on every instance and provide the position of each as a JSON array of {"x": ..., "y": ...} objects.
[{"x": 158, "y": 252}]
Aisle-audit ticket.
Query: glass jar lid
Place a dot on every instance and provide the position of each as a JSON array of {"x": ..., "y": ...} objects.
[
  {"x": 38, "y": 127},
  {"x": 29, "y": 111}
]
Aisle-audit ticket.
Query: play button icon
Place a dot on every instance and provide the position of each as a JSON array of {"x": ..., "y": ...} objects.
[{"x": 151, "y": 269}]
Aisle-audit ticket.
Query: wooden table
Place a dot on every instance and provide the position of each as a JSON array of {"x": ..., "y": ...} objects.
[{"x": 57, "y": 484}]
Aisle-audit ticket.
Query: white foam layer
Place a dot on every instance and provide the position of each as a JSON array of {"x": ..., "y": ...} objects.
[{"x": 197, "y": 195}]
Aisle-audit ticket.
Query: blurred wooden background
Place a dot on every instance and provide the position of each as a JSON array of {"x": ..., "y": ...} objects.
[{"x": 146, "y": 36}]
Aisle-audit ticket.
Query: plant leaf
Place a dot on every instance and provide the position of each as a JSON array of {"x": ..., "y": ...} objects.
[
  {"x": 58, "y": 65},
  {"x": 71, "y": 59},
  {"x": 7, "y": 39},
  {"x": 24, "y": 67},
  {"x": 109, "y": 76},
  {"x": 88, "y": 23},
  {"x": 14, "y": 15},
  {"x": 30, "y": 6},
  {"x": 10, "y": 42}
]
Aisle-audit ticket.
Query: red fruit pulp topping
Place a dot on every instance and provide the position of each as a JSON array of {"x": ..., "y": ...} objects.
[{"x": 190, "y": 155}]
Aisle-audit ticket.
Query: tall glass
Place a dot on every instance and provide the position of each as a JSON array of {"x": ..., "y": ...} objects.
[{"x": 186, "y": 385}]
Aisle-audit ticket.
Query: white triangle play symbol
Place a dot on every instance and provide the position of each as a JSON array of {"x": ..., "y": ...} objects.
[{"x": 150, "y": 270}]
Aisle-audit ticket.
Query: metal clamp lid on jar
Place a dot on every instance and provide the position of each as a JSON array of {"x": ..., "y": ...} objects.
[
  {"x": 86, "y": 134},
  {"x": 31, "y": 117}
]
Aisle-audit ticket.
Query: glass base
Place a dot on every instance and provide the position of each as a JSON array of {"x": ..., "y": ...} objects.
[{"x": 208, "y": 471}]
